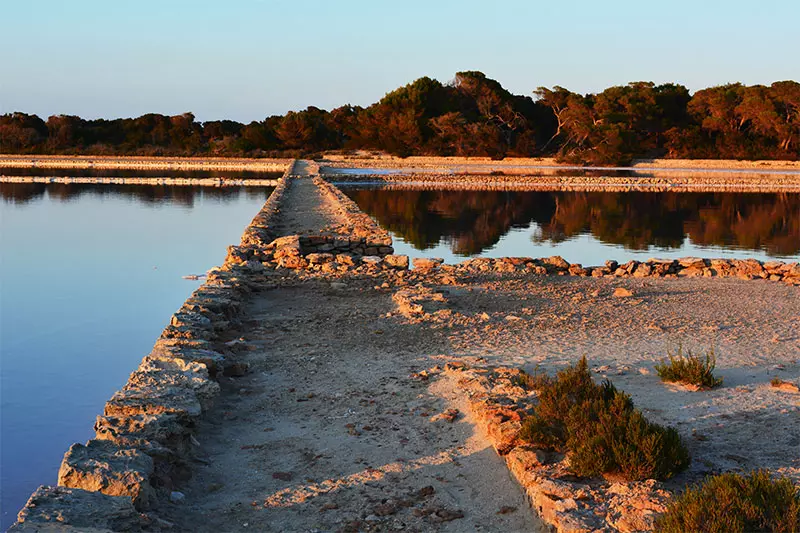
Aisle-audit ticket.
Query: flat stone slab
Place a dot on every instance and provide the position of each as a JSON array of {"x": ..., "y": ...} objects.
[
  {"x": 67, "y": 510},
  {"x": 102, "y": 466}
]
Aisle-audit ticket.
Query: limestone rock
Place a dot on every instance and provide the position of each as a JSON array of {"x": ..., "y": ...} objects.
[
  {"x": 556, "y": 261},
  {"x": 102, "y": 466},
  {"x": 179, "y": 401},
  {"x": 68, "y": 510},
  {"x": 425, "y": 263},
  {"x": 399, "y": 262},
  {"x": 148, "y": 433},
  {"x": 622, "y": 292}
]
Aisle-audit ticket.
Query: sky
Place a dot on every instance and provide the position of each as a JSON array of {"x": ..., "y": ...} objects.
[{"x": 247, "y": 59}]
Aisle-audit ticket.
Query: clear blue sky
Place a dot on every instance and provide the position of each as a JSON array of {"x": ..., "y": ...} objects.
[{"x": 247, "y": 59}]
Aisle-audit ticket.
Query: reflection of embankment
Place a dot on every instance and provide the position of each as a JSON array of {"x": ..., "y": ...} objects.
[
  {"x": 476, "y": 220},
  {"x": 147, "y": 194}
]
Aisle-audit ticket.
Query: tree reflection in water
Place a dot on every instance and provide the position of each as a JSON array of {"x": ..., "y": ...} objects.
[
  {"x": 473, "y": 221},
  {"x": 184, "y": 195}
]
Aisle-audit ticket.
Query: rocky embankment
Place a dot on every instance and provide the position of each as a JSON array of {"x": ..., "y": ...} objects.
[
  {"x": 144, "y": 163},
  {"x": 678, "y": 181}
]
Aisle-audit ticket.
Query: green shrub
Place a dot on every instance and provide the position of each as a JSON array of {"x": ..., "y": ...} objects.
[
  {"x": 528, "y": 381},
  {"x": 732, "y": 503},
  {"x": 600, "y": 429},
  {"x": 690, "y": 369}
]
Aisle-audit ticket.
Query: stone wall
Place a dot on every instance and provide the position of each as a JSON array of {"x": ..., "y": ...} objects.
[
  {"x": 143, "y": 163},
  {"x": 144, "y": 438},
  {"x": 175, "y": 182},
  {"x": 678, "y": 182}
]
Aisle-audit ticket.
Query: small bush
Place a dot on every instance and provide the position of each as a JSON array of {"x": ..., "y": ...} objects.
[
  {"x": 690, "y": 369},
  {"x": 776, "y": 382},
  {"x": 600, "y": 429},
  {"x": 733, "y": 503},
  {"x": 533, "y": 381}
]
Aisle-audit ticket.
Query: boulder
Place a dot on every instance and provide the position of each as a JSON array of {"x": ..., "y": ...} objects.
[
  {"x": 556, "y": 262},
  {"x": 68, "y": 510},
  {"x": 399, "y": 262},
  {"x": 102, "y": 466}
]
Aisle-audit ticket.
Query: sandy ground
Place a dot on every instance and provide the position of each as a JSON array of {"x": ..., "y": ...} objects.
[
  {"x": 332, "y": 429},
  {"x": 332, "y": 432}
]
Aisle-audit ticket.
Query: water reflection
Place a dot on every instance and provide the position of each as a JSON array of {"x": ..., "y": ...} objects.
[
  {"x": 473, "y": 221},
  {"x": 186, "y": 195}
]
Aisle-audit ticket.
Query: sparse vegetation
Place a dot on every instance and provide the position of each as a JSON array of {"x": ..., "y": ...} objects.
[
  {"x": 731, "y": 503},
  {"x": 532, "y": 381},
  {"x": 600, "y": 430},
  {"x": 776, "y": 382},
  {"x": 690, "y": 369}
]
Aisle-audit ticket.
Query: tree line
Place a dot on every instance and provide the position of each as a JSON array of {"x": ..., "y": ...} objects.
[{"x": 470, "y": 116}]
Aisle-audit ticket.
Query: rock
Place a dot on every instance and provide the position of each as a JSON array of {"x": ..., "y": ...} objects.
[
  {"x": 155, "y": 373},
  {"x": 425, "y": 263},
  {"x": 372, "y": 260},
  {"x": 622, "y": 292},
  {"x": 556, "y": 261},
  {"x": 319, "y": 258},
  {"x": 689, "y": 262},
  {"x": 786, "y": 386},
  {"x": 642, "y": 271},
  {"x": 153, "y": 401},
  {"x": 338, "y": 286},
  {"x": 399, "y": 262},
  {"x": 187, "y": 353},
  {"x": 633, "y": 507},
  {"x": 145, "y": 432},
  {"x": 293, "y": 262},
  {"x": 177, "y": 497},
  {"x": 67, "y": 510},
  {"x": 102, "y": 466},
  {"x": 448, "y": 415}
]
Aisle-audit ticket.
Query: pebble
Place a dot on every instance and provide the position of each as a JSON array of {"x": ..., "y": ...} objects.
[{"x": 176, "y": 497}]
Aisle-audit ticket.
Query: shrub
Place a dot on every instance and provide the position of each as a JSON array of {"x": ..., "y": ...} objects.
[
  {"x": 776, "y": 382},
  {"x": 599, "y": 428},
  {"x": 528, "y": 381},
  {"x": 690, "y": 369},
  {"x": 735, "y": 503}
]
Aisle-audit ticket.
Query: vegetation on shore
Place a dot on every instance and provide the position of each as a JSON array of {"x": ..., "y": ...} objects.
[
  {"x": 470, "y": 116},
  {"x": 690, "y": 369},
  {"x": 730, "y": 503},
  {"x": 599, "y": 428}
]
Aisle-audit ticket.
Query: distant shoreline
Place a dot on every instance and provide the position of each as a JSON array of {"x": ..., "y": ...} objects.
[{"x": 438, "y": 172}]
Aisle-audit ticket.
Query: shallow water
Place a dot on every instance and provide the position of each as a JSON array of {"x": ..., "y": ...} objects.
[
  {"x": 89, "y": 276},
  {"x": 586, "y": 227}
]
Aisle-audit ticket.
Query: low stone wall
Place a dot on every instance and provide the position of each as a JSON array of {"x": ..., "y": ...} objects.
[
  {"x": 173, "y": 182},
  {"x": 144, "y": 163},
  {"x": 144, "y": 438},
  {"x": 662, "y": 268},
  {"x": 470, "y": 164},
  {"x": 566, "y": 504},
  {"x": 678, "y": 182},
  {"x": 259, "y": 232},
  {"x": 358, "y": 224}
]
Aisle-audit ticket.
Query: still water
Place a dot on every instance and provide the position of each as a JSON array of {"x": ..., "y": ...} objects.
[
  {"x": 88, "y": 278},
  {"x": 585, "y": 227}
]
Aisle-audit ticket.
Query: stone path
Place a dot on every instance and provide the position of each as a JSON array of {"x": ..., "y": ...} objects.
[{"x": 328, "y": 431}]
